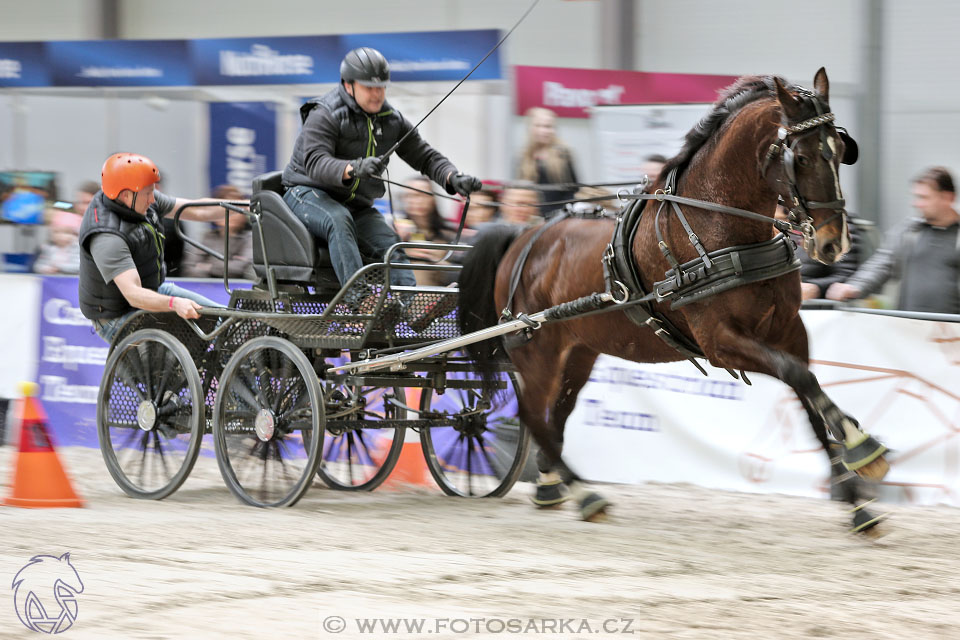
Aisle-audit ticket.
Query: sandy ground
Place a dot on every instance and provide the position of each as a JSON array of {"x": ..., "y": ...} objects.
[{"x": 675, "y": 561}]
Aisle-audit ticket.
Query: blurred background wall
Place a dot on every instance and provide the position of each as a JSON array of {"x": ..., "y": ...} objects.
[{"x": 890, "y": 64}]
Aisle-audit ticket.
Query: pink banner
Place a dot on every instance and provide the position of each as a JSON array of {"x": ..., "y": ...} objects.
[{"x": 570, "y": 92}]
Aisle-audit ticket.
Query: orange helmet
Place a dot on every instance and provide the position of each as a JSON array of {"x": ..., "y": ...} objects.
[{"x": 127, "y": 171}]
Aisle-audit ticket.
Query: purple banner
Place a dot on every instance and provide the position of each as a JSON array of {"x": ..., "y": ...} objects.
[{"x": 72, "y": 356}]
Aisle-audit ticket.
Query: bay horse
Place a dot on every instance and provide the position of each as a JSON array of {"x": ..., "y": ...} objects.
[{"x": 763, "y": 140}]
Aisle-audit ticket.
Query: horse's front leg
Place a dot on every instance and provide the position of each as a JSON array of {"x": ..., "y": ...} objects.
[{"x": 852, "y": 451}]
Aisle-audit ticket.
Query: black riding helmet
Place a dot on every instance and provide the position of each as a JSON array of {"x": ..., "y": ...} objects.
[{"x": 366, "y": 66}]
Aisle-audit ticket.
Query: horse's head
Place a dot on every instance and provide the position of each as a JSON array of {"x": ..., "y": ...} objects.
[{"x": 810, "y": 150}]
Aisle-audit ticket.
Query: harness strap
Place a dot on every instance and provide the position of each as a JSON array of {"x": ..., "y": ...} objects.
[{"x": 517, "y": 273}]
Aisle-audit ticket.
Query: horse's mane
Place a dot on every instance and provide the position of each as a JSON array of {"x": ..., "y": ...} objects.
[{"x": 741, "y": 93}]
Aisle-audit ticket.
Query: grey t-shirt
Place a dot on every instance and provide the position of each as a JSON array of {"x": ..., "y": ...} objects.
[
  {"x": 931, "y": 270},
  {"x": 111, "y": 253}
]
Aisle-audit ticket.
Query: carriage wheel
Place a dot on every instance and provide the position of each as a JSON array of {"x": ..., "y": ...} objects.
[
  {"x": 268, "y": 423},
  {"x": 484, "y": 454},
  {"x": 361, "y": 459},
  {"x": 150, "y": 414}
]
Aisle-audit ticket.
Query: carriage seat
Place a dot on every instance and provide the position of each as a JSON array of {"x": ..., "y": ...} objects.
[{"x": 295, "y": 255}]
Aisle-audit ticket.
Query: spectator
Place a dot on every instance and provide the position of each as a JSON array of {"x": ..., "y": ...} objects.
[
  {"x": 483, "y": 208},
  {"x": 546, "y": 160},
  {"x": 651, "y": 166},
  {"x": 421, "y": 222},
  {"x": 924, "y": 252},
  {"x": 200, "y": 264},
  {"x": 61, "y": 253},
  {"x": 816, "y": 277},
  {"x": 83, "y": 196},
  {"x": 520, "y": 205}
]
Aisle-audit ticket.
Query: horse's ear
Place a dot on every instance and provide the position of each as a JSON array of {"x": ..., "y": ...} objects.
[
  {"x": 790, "y": 105},
  {"x": 65, "y": 557},
  {"x": 821, "y": 84}
]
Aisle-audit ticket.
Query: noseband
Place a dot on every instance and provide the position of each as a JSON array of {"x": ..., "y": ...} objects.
[{"x": 788, "y": 136}]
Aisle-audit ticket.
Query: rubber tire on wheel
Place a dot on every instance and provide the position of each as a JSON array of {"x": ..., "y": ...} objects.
[
  {"x": 312, "y": 439},
  {"x": 440, "y": 473},
  {"x": 143, "y": 342},
  {"x": 389, "y": 461}
]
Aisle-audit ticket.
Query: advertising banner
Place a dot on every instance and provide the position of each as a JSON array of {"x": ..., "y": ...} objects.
[
  {"x": 72, "y": 356},
  {"x": 415, "y": 56},
  {"x": 572, "y": 92},
  {"x": 22, "y": 64},
  {"x": 119, "y": 63},
  {"x": 243, "y": 142},
  {"x": 898, "y": 377}
]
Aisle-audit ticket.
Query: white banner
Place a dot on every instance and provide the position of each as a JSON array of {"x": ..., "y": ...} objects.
[{"x": 668, "y": 423}]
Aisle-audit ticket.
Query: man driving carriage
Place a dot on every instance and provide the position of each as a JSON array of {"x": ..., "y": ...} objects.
[
  {"x": 332, "y": 178},
  {"x": 121, "y": 247}
]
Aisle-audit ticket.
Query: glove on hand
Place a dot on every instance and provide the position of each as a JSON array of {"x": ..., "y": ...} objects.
[
  {"x": 463, "y": 184},
  {"x": 367, "y": 167}
]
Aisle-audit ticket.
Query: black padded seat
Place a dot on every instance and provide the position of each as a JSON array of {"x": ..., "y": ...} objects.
[{"x": 295, "y": 256}]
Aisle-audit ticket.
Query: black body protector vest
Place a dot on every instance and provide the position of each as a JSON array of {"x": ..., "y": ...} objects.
[{"x": 144, "y": 236}]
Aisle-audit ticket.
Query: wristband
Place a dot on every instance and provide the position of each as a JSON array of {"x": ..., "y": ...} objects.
[{"x": 171, "y": 302}]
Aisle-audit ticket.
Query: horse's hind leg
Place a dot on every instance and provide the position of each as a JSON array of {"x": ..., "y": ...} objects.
[
  {"x": 577, "y": 366},
  {"x": 541, "y": 383}
]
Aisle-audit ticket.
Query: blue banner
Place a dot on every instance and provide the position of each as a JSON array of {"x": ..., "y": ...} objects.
[
  {"x": 243, "y": 142},
  {"x": 306, "y": 60},
  {"x": 22, "y": 64},
  {"x": 419, "y": 56},
  {"x": 120, "y": 63},
  {"x": 433, "y": 55},
  {"x": 72, "y": 357}
]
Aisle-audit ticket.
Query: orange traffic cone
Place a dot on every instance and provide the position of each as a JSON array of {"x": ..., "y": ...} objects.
[
  {"x": 38, "y": 478},
  {"x": 411, "y": 468}
]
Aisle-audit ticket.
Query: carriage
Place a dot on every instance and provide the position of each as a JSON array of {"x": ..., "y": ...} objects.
[{"x": 269, "y": 378}]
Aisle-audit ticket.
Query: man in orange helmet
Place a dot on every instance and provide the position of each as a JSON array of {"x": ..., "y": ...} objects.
[{"x": 121, "y": 247}]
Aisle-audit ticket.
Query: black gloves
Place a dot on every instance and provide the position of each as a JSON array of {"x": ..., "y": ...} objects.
[
  {"x": 367, "y": 167},
  {"x": 463, "y": 184}
]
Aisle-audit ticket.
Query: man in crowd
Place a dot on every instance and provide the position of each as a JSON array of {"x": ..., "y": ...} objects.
[
  {"x": 121, "y": 247},
  {"x": 924, "y": 252}
]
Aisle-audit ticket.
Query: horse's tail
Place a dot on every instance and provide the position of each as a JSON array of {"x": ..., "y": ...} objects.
[{"x": 476, "y": 307}]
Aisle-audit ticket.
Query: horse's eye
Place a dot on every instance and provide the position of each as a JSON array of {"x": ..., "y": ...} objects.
[{"x": 803, "y": 161}]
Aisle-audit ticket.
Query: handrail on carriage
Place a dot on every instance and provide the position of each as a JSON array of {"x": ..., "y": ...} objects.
[{"x": 228, "y": 206}]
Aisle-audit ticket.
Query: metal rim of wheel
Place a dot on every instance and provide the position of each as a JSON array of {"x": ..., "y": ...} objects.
[
  {"x": 361, "y": 459},
  {"x": 268, "y": 423},
  {"x": 483, "y": 456},
  {"x": 150, "y": 414}
]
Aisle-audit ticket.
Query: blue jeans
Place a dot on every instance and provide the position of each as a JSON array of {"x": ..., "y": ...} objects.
[
  {"x": 348, "y": 234},
  {"x": 108, "y": 328}
]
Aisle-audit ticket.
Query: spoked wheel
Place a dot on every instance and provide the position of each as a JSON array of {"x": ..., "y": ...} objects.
[
  {"x": 268, "y": 423},
  {"x": 360, "y": 459},
  {"x": 483, "y": 454},
  {"x": 150, "y": 414}
]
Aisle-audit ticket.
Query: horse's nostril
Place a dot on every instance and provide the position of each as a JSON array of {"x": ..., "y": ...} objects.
[{"x": 830, "y": 250}]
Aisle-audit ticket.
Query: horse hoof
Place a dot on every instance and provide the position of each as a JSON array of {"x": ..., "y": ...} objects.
[
  {"x": 866, "y": 458},
  {"x": 865, "y": 523},
  {"x": 594, "y": 507},
  {"x": 549, "y": 496},
  {"x": 875, "y": 471}
]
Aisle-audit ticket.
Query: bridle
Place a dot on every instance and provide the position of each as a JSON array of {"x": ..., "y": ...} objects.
[{"x": 788, "y": 137}]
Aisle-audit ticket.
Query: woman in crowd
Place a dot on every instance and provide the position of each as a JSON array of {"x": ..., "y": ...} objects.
[{"x": 546, "y": 160}]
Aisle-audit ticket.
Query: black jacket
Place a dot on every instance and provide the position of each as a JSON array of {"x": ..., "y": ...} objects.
[
  {"x": 337, "y": 131},
  {"x": 144, "y": 236}
]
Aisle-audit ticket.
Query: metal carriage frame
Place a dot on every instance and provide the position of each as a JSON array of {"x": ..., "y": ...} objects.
[{"x": 265, "y": 377}]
